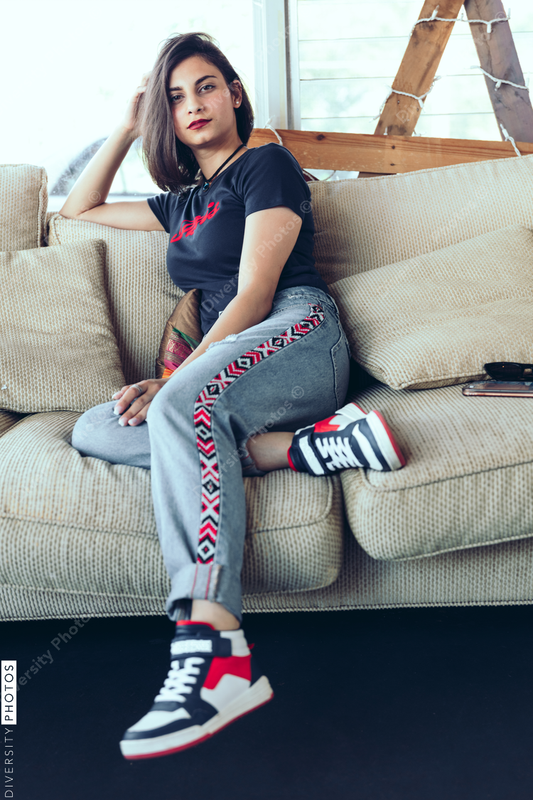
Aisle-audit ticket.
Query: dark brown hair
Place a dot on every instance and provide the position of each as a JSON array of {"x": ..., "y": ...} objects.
[{"x": 171, "y": 163}]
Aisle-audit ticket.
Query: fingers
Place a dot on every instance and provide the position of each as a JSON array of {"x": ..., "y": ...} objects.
[
  {"x": 132, "y": 406},
  {"x": 144, "y": 82},
  {"x": 122, "y": 391},
  {"x": 129, "y": 402},
  {"x": 135, "y": 414},
  {"x": 119, "y": 394}
]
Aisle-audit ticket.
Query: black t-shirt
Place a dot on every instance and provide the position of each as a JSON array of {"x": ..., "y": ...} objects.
[{"x": 207, "y": 228}]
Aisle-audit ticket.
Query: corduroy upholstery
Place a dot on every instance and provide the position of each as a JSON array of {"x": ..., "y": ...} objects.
[
  {"x": 468, "y": 480},
  {"x": 82, "y": 526},
  {"x": 364, "y": 224},
  {"x": 436, "y": 319},
  {"x": 140, "y": 291},
  {"x": 58, "y": 350},
  {"x": 494, "y": 575},
  {"x": 23, "y": 199},
  {"x": 100, "y": 561}
]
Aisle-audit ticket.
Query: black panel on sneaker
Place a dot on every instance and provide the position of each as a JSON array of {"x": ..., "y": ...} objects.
[{"x": 197, "y": 709}]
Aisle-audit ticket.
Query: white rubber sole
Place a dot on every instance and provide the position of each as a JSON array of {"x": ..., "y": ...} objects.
[
  {"x": 254, "y": 697},
  {"x": 385, "y": 440}
]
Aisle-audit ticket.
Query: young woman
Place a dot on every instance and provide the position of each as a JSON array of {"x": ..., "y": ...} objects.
[{"x": 241, "y": 230}]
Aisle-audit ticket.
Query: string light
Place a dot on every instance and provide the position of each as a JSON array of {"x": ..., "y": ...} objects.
[
  {"x": 270, "y": 128},
  {"x": 419, "y": 98},
  {"x": 499, "y": 81},
  {"x": 510, "y": 139},
  {"x": 406, "y": 94},
  {"x": 488, "y": 22}
]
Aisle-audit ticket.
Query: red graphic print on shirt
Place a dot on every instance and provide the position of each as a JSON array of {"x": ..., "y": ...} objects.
[{"x": 188, "y": 226}]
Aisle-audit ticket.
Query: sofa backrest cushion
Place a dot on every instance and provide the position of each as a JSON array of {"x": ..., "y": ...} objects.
[
  {"x": 140, "y": 291},
  {"x": 360, "y": 224},
  {"x": 436, "y": 319},
  {"x": 58, "y": 350},
  {"x": 365, "y": 223},
  {"x": 23, "y": 199}
]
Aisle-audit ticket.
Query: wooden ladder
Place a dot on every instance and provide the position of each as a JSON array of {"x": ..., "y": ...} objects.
[{"x": 392, "y": 149}]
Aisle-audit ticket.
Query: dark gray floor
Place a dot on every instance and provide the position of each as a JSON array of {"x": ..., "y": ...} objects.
[{"x": 414, "y": 704}]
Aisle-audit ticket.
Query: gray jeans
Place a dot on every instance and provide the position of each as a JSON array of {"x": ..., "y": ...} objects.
[{"x": 288, "y": 371}]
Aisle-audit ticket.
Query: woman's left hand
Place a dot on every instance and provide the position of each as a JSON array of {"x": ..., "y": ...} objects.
[{"x": 133, "y": 406}]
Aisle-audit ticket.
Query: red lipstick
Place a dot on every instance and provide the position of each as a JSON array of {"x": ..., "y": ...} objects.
[{"x": 198, "y": 123}]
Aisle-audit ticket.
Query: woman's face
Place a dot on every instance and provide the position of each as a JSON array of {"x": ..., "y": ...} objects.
[{"x": 203, "y": 108}]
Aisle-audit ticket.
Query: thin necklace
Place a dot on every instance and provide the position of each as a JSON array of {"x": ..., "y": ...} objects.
[{"x": 205, "y": 187}]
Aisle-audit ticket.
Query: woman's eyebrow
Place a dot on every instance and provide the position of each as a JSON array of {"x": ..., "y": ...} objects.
[{"x": 176, "y": 88}]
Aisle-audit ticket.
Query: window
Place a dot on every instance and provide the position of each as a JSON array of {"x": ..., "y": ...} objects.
[
  {"x": 70, "y": 68},
  {"x": 349, "y": 54}
]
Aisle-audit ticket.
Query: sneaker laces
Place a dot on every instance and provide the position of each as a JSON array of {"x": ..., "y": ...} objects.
[
  {"x": 338, "y": 450},
  {"x": 179, "y": 680}
]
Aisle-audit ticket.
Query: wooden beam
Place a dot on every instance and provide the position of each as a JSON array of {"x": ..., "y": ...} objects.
[
  {"x": 417, "y": 69},
  {"x": 498, "y": 56},
  {"x": 383, "y": 154}
]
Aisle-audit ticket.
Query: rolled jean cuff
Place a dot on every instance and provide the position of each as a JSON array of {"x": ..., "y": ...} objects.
[{"x": 212, "y": 582}]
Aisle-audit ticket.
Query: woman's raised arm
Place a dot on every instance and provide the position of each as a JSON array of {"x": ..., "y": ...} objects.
[{"x": 87, "y": 199}]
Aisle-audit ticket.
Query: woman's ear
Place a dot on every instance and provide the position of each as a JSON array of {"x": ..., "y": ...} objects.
[{"x": 235, "y": 88}]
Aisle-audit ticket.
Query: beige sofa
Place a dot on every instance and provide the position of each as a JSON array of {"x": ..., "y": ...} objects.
[{"x": 454, "y": 527}]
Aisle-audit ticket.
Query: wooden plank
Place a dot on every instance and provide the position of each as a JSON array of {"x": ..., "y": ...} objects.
[
  {"x": 498, "y": 56},
  {"x": 383, "y": 154},
  {"x": 417, "y": 71},
  {"x": 418, "y": 68}
]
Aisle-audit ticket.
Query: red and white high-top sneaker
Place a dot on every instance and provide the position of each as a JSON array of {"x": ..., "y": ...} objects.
[
  {"x": 213, "y": 680},
  {"x": 350, "y": 438}
]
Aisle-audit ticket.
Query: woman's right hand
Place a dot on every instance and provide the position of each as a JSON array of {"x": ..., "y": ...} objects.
[
  {"x": 131, "y": 117},
  {"x": 132, "y": 406}
]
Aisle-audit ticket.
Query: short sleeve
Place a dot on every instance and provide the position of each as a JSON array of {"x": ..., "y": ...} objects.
[
  {"x": 273, "y": 178},
  {"x": 162, "y": 205}
]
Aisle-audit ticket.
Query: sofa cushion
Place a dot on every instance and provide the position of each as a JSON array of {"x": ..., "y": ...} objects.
[
  {"x": 468, "y": 480},
  {"x": 84, "y": 525},
  {"x": 436, "y": 319},
  {"x": 364, "y": 224},
  {"x": 58, "y": 349},
  {"x": 23, "y": 199},
  {"x": 140, "y": 291}
]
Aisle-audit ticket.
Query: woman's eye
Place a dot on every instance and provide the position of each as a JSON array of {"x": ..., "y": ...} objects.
[{"x": 176, "y": 97}]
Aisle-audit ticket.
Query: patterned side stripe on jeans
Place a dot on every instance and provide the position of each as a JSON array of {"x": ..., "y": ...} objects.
[{"x": 209, "y": 518}]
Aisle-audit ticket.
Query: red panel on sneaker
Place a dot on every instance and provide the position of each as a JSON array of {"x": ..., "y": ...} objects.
[
  {"x": 230, "y": 665},
  {"x": 325, "y": 425}
]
